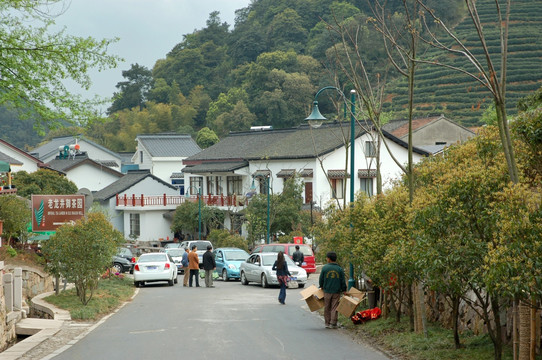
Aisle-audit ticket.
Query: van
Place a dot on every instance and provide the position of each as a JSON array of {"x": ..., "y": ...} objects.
[
  {"x": 309, "y": 263},
  {"x": 201, "y": 248}
]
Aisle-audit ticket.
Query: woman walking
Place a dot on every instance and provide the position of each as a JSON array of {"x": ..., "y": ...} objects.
[{"x": 281, "y": 267}]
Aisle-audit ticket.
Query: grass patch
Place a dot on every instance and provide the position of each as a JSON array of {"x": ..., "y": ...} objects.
[
  {"x": 397, "y": 339},
  {"x": 109, "y": 295}
]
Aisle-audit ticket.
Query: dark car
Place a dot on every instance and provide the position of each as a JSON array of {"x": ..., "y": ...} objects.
[{"x": 123, "y": 260}]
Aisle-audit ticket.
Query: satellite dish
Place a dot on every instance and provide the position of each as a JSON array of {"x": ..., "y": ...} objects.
[{"x": 89, "y": 198}]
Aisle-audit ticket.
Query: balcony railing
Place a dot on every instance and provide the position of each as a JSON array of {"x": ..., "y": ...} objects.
[
  {"x": 8, "y": 191},
  {"x": 165, "y": 200}
]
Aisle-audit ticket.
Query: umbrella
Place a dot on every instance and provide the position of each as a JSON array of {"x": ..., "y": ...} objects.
[{"x": 4, "y": 166}]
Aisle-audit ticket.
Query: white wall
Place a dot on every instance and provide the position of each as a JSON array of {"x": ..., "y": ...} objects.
[
  {"x": 164, "y": 167},
  {"x": 28, "y": 165},
  {"x": 153, "y": 225},
  {"x": 90, "y": 177}
]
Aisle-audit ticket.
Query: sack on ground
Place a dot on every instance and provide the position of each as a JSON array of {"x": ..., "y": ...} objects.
[{"x": 292, "y": 284}]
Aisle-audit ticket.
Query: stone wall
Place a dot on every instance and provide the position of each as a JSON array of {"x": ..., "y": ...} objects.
[
  {"x": 8, "y": 316},
  {"x": 35, "y": 281}
]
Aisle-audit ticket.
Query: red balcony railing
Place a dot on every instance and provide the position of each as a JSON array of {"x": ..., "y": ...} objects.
[
  {"x": 164, "y": 200},
  {"x": 8, "y": 191}
]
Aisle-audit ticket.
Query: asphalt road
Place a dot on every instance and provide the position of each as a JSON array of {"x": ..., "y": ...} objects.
[{"x": 230, "y": 321}]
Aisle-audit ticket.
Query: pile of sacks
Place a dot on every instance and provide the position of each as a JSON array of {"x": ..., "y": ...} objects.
[{"x": 366, "y": 315}]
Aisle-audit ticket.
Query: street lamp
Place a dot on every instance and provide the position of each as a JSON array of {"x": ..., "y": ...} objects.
[
  {"x": 315, "y": 120},
  {"x": 199, "y": 207},
  {"x": 268, "y": 207}
]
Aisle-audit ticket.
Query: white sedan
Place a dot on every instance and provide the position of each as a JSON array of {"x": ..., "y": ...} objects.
[
  {"x": 258, "y": 268},
  {"x": 155, "y": 267}
]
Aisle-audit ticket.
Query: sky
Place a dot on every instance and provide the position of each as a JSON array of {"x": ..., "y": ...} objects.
[{"x": 148, "y": 30}]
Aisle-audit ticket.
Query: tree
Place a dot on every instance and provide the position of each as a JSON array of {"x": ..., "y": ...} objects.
[
  {"x": 187, "y": 214},
  {"x": 36, "y": 61},
  {"x": 16, "y": 215},
  {"x": 43, "y": 181},
  {"x": 133, "y": 91},
  {"x": 206, "y": 138},
  {"x": 82, "y": 252}
]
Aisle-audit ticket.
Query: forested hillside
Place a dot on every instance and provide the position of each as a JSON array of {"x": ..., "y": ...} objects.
[
  {"x": 266, "y": 69},
  {"x": 442, "y": 90}
]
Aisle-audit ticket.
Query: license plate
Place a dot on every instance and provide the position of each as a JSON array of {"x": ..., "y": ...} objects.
[
  {"x": 152, "y": 267},
  {"x": 304, "y": 264},
  {"x": 294, "y": 277}
]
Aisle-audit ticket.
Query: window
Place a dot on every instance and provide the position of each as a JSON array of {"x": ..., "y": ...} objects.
[
  {"x": 234, "y": 184},
  {"x": 370, "y": 149},
  {"x": 337, "y": 188},
  {"x": 367, "y": 186},
  {"x": 196, "y": 184},
  {"x": 219, "y": 186},
  {"x": 141, "y": 157},
  {"x": 179, "y": 184},
  {"x": 211, "y": 181},
  {"x": 134, "y": 225},
  {"x": 263, "y": 185}
]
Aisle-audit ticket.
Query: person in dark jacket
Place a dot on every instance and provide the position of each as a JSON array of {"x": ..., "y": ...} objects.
[
  {"x": 298, "y": 256},
  {"x": 281, "y": 267},
  {"x": 184, "y": 263},
  {"x": 332, "y": 281},
  {"x": 209, "y": 265}
]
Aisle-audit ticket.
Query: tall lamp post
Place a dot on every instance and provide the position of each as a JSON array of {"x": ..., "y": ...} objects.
[
  {"x": 315, "y": 119},
  {"x": 268, "y": 207},
  {"x": 199, "y": 207}
]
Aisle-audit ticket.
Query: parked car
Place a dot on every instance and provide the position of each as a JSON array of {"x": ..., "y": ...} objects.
[
  {"x": 228, "y": 261},
  {"x": 309, "y": 263},
  {"x": 173, "y": 246},
  {"x": 177, "y": 256},
  {"x": 258, "y": 268},
  {"x": 123, "y": 260},
  {"x": 201, "y": 248},
  {"x": 153, "y": 267}
]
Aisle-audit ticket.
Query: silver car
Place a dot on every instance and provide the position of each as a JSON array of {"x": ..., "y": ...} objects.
[
  {"x": 155, "y": 267},
  {"x": 258, "y": 268},
  {"x": 177, "y": 256}
]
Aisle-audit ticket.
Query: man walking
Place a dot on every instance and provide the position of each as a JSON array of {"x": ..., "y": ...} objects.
[
  {"x": 209, "y": 265},
  {"x": 298, "y": 256},
  {"x": 184, "y": 263},
  {"x": 332, "y": 281},
  {"x": 193, "y": 265}
]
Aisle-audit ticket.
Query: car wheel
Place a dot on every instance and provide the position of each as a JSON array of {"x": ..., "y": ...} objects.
[
  {"x": 301, "y": 286},
  {"x": 118, "y": 268},
  {"x": 137, "y": 284},
  {"x": 170, "y": 282},
  {"x": 243, "y": 278},
  {"x": 265, "y": 284},
  {"x": 224, "y": 275},
  {"x": 175, "y": 281}
]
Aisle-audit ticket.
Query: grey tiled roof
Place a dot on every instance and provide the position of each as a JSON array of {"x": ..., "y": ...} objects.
[
  {"x": 9, "y": 159},
  {"x": 52, "y": 146},
  {"x": 169, "y": 145},
  {"x": 64, "y": 165},
  {"x": 215, "y": 167},
  {"x": 125, "y": 182},
  {"x": 297, "y": 143}
]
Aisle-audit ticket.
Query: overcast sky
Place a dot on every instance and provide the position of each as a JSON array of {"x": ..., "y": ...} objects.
[{"x": 148, "y": 29}]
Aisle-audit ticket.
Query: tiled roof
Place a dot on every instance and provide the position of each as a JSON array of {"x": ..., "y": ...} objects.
[
  {"x": 366, "y": 173},
  {"x": 9, "y": 159},
  {"x": 169, "y": 145},
  {"x": 261, "y": 173},
  {"x": 399, "y": 128},
  {"x": 52, "y": 146},
  {"x": 64, "y": 165},
  {"x": 125, "y": 182},
  {"x": 306, "y": 173},
  {"x": 296, "y": 143},
  {"x": 286, "y": 173},
  {"x": 215, "y": 167},
  {"x": 337, "y": 174}
]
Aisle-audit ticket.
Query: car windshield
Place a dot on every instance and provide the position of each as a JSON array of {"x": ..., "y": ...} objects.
[
  {"x": 201, "y": 245},
  {"x": 236, "y": 255},
  {"x": 305, "y": 249},
  {"x": 175, "y": 252},
  {"x": 152, "y": 258}
]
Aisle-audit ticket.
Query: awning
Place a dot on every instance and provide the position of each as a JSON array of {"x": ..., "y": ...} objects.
[
  {"x": 217, "y": 167},
  {"x": 286, "y": 173},
  {"x": 366, "y": 173},
  {"x": 261, "y": 173},
  {"x": 337, "y": 174},
  {"x": 306, "y": 173},
  {"x": 4, "y": 166}
]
